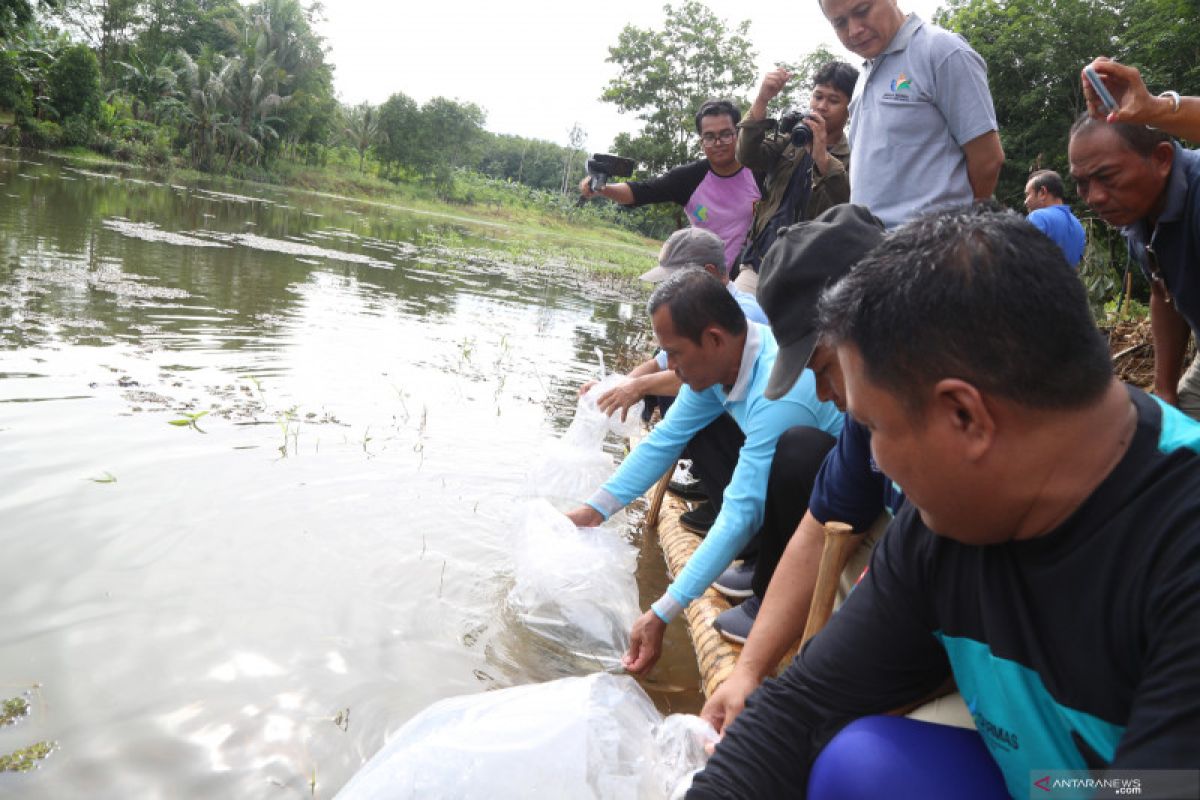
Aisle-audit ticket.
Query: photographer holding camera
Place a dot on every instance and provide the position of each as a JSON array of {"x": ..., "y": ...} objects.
[{"x": 805, "y": 157}]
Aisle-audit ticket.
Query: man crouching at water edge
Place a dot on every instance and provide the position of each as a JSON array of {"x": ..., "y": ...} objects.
[
  {"x": 724, "y": 362},
  {"x": 1046, "y": 560}
]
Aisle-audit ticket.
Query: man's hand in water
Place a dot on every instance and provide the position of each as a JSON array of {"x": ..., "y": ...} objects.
[
  {"x": 623, "y": 397},
  {"x": 585, "y": 517},
  {"x": 645, "y": 644}
]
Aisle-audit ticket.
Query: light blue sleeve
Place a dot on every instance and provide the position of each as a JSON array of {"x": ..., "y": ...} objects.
[
  {"x": 690, "y": 412},
  {"x": 745, "y": 498}
]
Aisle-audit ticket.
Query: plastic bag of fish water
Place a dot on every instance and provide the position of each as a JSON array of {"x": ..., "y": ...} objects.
[
  {"x": 575, "y": 465},
  {"x": 574, "y": 588},
  {"x": 593, "y": 737}
]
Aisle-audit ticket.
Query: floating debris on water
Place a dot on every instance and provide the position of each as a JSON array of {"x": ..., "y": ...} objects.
[
  {"x": 89, "y": 173},
  {"x": 149, "y": 232},
  {"x": 236, "y": 198},
  {"x": 256, "y": 242}
]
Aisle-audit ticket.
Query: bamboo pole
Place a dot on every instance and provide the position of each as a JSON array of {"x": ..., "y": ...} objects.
[{"x": 840, "y": 544}]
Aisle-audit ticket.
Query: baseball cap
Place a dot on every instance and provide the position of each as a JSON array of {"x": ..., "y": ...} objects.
[
  {"x": 804, "y": 259},
  {"x": 688, "y": 247}
]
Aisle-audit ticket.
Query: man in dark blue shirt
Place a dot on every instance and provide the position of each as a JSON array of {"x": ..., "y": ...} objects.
[
  {"x": 1140, "y": 181},
  {"x": 1046, "y": 559}
]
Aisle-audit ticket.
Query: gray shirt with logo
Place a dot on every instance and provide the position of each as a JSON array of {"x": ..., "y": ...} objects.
[{"x": 915, "y": 105}]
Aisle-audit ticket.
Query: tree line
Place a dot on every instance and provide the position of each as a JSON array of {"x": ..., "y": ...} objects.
[
  {"x": 226, "y": 87},
  {"x": 232, "y": 88}
]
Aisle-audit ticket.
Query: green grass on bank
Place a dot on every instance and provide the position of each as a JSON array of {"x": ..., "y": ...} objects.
[{"x": 531, "y": 224}]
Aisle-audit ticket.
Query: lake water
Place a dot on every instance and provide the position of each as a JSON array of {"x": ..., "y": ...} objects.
[{"x": 260, "y": 452}]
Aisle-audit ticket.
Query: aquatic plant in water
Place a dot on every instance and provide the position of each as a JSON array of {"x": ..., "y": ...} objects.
[
  {"x": 12, "y": 711},
  {"x": 188, "y": 420}
]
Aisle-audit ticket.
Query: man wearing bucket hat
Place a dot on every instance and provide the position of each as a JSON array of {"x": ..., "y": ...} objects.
[{"x": 805, "y": 259}]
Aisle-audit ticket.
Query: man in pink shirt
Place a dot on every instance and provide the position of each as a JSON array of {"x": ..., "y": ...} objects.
[{"x": 717, "y": 192}]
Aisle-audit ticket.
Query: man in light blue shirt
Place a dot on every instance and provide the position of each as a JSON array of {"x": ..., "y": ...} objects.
[
  {"x": 724, "y": 362},
  {"x": 713, "y": 450},
  {"x": 1050, "y": 215}
]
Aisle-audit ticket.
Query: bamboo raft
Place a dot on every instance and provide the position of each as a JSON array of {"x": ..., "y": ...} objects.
[{"x": 714, "y": 655}]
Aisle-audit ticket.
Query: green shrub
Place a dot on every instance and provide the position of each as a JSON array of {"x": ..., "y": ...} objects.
[
  {"x": 16, "y": 96},
  {"x": 77, "y": 131},
  {"x": 41, "y": 134},
  {"x": 74, "y": 79}
]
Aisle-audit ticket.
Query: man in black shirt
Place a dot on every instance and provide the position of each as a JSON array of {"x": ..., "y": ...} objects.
[{"x": 1047, "y": 561}]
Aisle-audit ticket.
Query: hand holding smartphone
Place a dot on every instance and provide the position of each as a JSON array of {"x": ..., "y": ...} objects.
[{"x": 1106, "y": 98}]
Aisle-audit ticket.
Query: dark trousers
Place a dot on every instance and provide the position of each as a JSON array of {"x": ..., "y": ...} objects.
[{"x": 798, "y": 457}]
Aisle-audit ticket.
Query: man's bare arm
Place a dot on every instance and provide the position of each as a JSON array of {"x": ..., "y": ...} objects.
[
  {"x": 1170, "y": 331},
  {"x": 779, "y": 624},
  {"x": 617, "y": 192},
  {"x": 984, "y": 158}
]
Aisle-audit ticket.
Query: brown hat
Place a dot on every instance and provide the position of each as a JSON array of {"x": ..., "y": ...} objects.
[
  {"x": 688, "y": 247},
  {"x": 804, "y": 259}
]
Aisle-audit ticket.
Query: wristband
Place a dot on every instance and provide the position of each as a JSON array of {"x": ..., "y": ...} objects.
[{"x": 1173, "y": 96}]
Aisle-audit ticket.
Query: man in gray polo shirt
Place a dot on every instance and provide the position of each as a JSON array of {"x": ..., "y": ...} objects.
[{"x": 922, "y": 126}]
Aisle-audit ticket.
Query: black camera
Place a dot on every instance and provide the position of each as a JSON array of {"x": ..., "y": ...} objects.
[
  {"x": 601, "y": 167},
  {"x": 790, "y": 123}
]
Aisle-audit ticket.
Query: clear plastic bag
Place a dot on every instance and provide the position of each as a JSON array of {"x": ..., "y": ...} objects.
[
  {"x": 597, "y": 737},
  {"x": 575, "y": 465},
  {"x": 633, "y": 418},
  {"x": 575, "y": 588}
]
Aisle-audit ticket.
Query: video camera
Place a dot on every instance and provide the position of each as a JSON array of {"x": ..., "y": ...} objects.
[
  {"x": 602, "y": 167},
  {"x": 790, "y": 123}
]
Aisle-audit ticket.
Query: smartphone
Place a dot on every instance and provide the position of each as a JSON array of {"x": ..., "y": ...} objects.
[{"x": 1101, "y": 90}]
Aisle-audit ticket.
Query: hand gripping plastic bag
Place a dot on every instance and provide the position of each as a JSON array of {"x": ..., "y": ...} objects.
[
  {"x": 597, "y": 737},
  {"x": 575, "y": 465},
  {"x": 574, "y": 588}
]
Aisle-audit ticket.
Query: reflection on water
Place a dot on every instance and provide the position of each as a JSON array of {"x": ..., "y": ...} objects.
[{"x": 243, "y": 603}]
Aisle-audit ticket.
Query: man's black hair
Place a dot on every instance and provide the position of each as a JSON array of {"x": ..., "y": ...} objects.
[
  {"x": 975, "y": 293},
  {"x": 1049, "y": 180},
  {"x": 715, "y": 108},
  {"x": 839, "y": 75},
  {"x": 696, "y": 300},
  {"x": 1141, "y": 139}
]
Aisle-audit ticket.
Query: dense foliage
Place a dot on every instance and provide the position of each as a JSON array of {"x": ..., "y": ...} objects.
[
  {"x": 247, "y": 90},
  {"x": 1034, "y": 51}
]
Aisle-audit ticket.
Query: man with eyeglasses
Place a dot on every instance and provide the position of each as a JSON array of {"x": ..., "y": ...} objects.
[
  {"x": 1140, "y": 181},
  {"x": 717, "y": 192}
]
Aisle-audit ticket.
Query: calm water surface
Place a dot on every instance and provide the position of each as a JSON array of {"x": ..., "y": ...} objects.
[{"x": 247, "y": 605}]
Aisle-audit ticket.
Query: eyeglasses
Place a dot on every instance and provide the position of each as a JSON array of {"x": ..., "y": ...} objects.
[{"x": 724, "y": 137}]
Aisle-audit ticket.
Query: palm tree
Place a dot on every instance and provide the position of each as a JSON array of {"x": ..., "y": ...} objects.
[
  {"x": 204, "y": 117},
  {"x": 147, "y": 86},
  {"x": 253, "y": 101},
  {"x": 363, "y": 130}
]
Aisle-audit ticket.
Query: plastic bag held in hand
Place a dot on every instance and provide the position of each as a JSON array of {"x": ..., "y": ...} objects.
[
  {"x": 574, "y": 466},
  {"x": 597, "y": 737},
  {"x": 574, "y": 587}
]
